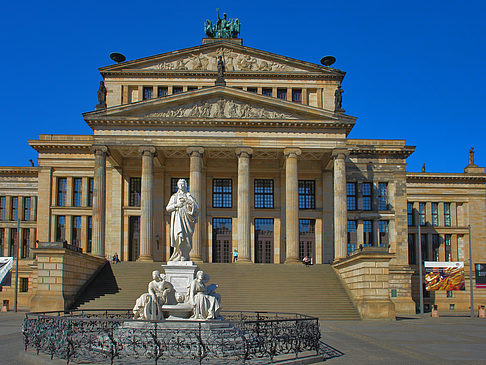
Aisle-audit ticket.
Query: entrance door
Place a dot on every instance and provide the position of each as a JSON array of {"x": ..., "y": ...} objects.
[
  {"x": 264, "y": 240},
  {"x": 222, "y": 239},
  {"x": 133, "y": 238},
  {"x": 307, "y": 238}
]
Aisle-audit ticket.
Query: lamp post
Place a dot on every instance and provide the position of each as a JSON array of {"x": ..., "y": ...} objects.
[
  {"x": 470, "y": 273},
  {"x": 17, "y": 266},
  {"x": 420, "y": 265}
]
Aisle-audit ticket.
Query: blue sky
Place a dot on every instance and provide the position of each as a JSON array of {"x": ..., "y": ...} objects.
[{"x": 415, "y": 70}]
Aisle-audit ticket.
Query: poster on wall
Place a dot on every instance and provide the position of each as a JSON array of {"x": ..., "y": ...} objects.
[
  {"x": 480, "y": 275},
  {"x": 6, "y": 264},
  {"x": 444, "y": 276}
]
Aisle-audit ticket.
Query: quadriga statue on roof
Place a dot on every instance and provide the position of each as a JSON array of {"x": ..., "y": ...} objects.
[
  {"x": 224, "y": 28},
  {"x": 184, "y": 211}
]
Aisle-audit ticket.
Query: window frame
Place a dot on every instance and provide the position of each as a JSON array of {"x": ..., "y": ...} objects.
[
  {"x": 135, "y": 191},
  {"x": 308, "y": 199},
  {"x": 367, "y": 198},
  {"x": 222, "y": 199},
  {"x": 266, "y": 197},
  {"x": 61, "y": 192},
  {"x": 383, "y": 196},
  {"x": 77, "y": 200},
  {"x": 351, "y": 199}
]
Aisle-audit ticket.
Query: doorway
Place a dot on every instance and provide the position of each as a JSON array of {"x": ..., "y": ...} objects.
[
  {"x": 222, "y": 240},
  {"x": 264, "y": 240},
  {"x": 133, "y": 238}
]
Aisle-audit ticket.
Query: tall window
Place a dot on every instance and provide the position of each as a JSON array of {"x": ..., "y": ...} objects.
[
  {"x": 13, "y": 242},
  {"x": 134, "y": 188},
  {"x": 282, "y": 94},
  {"x": 147, "y": 92},
  {"x": 367, "y": 233},
  {"x": 173, "y": 184},
  {"x": 24, "y": 251},
  {"x": 61, "y": 191},
  {"x": 297, "y": 95},
  {"x": 307, "y": 194},
  {"x": 425, "y": 250},
  {"x": 76, "y": 231},
  {"x": 435, "y": 214},
  {"x": 222, "y": 193},
  {"x": 90, "y": 191},
  {"x": 352, "y": 236},
  {"x": 162, "y": 91},
  {"x": 383, "y": 230},
  {"x": 267, "y": 91},
  {"x": 89, "y": 234},
  {"x": 383, "y": 196},
  {"x": 27, "y": 208},
  {"x": 23, "y": 285},
  {"x": 351, "y": 200},
  {"x": 2, "y": 208},
  {"x": 60, "y": 228},
  {"x": 412, "y": 256},
  {"x": 435, "y": 247},
  {"x": 448, "y": 248},
  {"x": 263, "y": 193},
  {"x": 410, "y": 214},
  {"x": 177, "y": 90},
  {"x": 422, "y": 214},
  {"x": 366, "y": 196},
  {"x": 77, "y": 191},
  {"x": 14, "y": 209},
  {"x": 2, "y": 241},
  {"x": 447, "y": 214}
]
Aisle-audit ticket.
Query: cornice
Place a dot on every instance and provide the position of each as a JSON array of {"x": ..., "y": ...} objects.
[
  {"x": 61, "y": 145},
  {"x": 403, "y": 152},
  {"x": 18, "y": 170},
  {"x": 433, "y": 177}
]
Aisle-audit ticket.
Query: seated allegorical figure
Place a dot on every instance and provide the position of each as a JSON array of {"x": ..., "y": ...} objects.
[
  {"x": 149, "y": 305},
  {"x": 206, "y": 303}
]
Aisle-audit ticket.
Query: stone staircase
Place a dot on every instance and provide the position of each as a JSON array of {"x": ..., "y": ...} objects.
[{"x": 313, "y": 290}]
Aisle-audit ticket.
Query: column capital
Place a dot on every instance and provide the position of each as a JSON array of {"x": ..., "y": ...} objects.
[
  {"x": 339, "y": 153},
  {"x": 99, "y": 149},
  {"x": 148, "y": 150},
  {"x": 195, "y": 151},
  {"x": 292, "y": 152},
  {"x": 244, "y": 152}
]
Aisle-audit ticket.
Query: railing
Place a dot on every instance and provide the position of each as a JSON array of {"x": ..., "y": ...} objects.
[{"x": 112, "y": 335}]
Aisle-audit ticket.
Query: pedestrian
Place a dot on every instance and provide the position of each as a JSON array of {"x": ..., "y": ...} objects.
[
  {"x": 306, "y": 261},
  {"x": 235, "y": 255},
  {"x": 115, "y": 258}
]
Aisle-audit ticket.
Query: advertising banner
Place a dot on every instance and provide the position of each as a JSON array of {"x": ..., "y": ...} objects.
[
  {"x": 480, "y": 275},
  {"x": 444, "y": 275},
  {"x": 6, "y": 264}
]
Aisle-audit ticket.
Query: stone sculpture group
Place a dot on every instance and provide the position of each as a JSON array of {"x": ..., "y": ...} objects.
[{"x": 181, "y": 292}]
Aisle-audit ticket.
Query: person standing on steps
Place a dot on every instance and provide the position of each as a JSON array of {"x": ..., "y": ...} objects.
[{"x": 235, "y": 255}]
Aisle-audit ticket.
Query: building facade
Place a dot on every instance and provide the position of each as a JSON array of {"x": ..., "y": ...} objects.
[{"x": 267, "y": 157}]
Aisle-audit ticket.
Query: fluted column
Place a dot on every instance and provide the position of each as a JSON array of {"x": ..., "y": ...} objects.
[
  {"x": 99, "y": 201},
  {"x": 292, "y": 205},
  {"x": 340, "y": 208},
  {"x": 195, "y": 181},
  {"x": 244, "y": 232},
  {"x": 146, "y": 219}
]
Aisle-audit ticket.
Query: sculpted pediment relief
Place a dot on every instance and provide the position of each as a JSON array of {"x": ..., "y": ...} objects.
[
  {"x": 207, "y": 61},
  {"x": 220, "y": 108}
]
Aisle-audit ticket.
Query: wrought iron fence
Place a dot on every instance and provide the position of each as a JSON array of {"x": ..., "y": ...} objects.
[{"x": 113, "y": 336}]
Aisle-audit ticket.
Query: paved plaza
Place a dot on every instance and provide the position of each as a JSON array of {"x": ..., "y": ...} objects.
[{"x": 446, "y": 340}]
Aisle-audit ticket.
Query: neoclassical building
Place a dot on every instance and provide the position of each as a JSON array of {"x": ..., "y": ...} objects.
[{"x": 267, "y": 156}]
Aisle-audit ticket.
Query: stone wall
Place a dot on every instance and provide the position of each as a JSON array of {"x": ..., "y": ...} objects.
[{"x": 366, "y": 275}]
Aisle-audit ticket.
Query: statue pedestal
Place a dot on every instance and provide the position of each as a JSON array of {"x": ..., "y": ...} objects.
[{"x": 180, "y": 274}]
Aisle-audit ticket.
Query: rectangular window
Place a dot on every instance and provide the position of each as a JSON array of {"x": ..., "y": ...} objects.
[
  {"x": 366, "y": 196},
  {"x": 263, "y": 193},
  {"x": 307, "y": 194},
  {"x": 77, "y": 191},
  {"x": 27, "y": 207},
  {"x": 267, "y": 91},
  {"x": 173, "y": 184},
  {"x": 61, "y": 191},
  {"x": 177, "y": 90},
  {"x": 383, "y": 228},
  {"x": 435, "y": 214},
  {"x": 23, "y": 285},
  {"x": 147, "y": 92},
  {"x": 14, "y": 209},
  {"x": 90, "y": 191},
  {"x": 162, "y": 91},
  {"x": 412, "y": 257},
  {"x": 89, "y": 234},
  {"x": 352, "y": 236},
  {"x": 135, "y": 191},
  {"x": 252, "y": 89},
  {"x": 60, "y": 228},
  {"x": 2, "y": 208},
  {"x": 297, "y": 95},
  {"x": 410, "y": 214},
  {"x": 2, "y": 241},
  {"x": 383, "y": 196},
  {"x": 191, "y": 88},
  {"x": 351, "y": 198},
  {"x": 282, "y": 94},
  {"x": 435, "y": 247},
  {"x": 307, "y": 238},
  {"x": 222, "y": 193},
  {"x": 76, "y": 231},
  {"x": 447, "y": 214},
  {"x": 24, "y": 250},
  {"x": 422, "y": 214},
  {"x": 13, "y": 242},
  {"x": 367, "y": 233},
  {"x": 424, "y": 246},
  {"x": 448, "y": 248}
]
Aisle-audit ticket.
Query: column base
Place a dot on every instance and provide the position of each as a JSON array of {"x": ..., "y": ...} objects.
[
  {"x": 243, "y": 261},
  {"x": 197, "y": 259},
  {"x": 292, "y": 260},
  {"x": 145, "y": 258}
]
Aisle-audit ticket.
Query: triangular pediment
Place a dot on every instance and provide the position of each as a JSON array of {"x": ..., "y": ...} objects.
[{"x": 236, "y": 57}]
